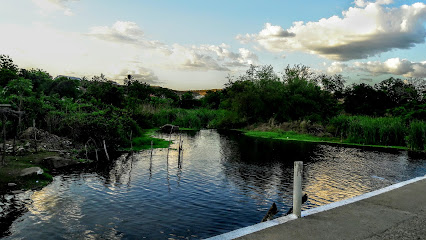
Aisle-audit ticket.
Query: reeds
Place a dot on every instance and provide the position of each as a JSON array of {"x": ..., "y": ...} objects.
[
  {"x": 416, "y": 138},
  {"x": 386, "y": 131}
]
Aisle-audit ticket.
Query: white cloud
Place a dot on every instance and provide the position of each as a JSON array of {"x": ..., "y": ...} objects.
[
  {"x": 395, "y": 66},
  {"x": 138, "y": 73},
  {"x": 124, "y": 32},
  {"x": 49, "y": 6},
  {"x": 363, "y": 31},
  {"x": 336, "y": 67},
  {"x": 175, "y": 56}
]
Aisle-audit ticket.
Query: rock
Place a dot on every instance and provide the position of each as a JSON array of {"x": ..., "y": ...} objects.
[
  {"x": 17, "y": 192},
  {"x": 169, "y": 128},
  {"x": 11, "y": 184},
  {"x": 20, "y": 150},
  {"x": 58, "y": 162},
  {"x": 31, "y": 170},
  {"x": 8, "y": 197}
]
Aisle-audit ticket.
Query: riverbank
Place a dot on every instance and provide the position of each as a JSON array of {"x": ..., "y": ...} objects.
[
  {"x": 294, "y": 136},
  {"x": 10, "y": 174}
]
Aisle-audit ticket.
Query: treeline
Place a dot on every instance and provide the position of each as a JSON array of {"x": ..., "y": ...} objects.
[
  {"x": 97, "y": 109},
  {"x": 391, "y": 112},
  {"x": 100, "y": 109}
]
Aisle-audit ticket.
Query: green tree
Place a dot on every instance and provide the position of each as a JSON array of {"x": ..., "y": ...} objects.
[
  {"x": 8, "y": 70},
  {"x": 65, "y": 87},
  {"x": 40, "y": 79}
]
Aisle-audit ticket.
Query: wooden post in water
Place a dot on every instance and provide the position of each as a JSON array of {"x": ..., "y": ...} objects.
[
  {"x": 85, "y": 147},
  {"x": 170, "y": 141},
  {"x": 35, "y": 136},
  {"x": 3, "y": 156},
  {"x": 151, "y": 148},
  {"x": 106, "y": 153},
  {"x": 297, "y": 188},
  {"x": 131, "y": 143}
]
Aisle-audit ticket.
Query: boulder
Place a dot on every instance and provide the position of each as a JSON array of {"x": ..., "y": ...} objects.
[
  {"x": 169, "y": 128},
  {"x": 31, "y": 171},
  {"x": 58, "y": 162},
  {"x": 11, "y": 184}
]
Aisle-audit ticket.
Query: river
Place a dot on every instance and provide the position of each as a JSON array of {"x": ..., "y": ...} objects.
[{"x": 222, "y": 182}]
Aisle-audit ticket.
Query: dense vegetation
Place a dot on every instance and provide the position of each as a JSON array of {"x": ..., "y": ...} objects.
[{"x": 389, "y": 113}]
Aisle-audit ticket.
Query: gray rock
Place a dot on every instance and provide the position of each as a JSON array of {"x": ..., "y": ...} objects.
[
  {"x": 169, "y": 128},
  {"x": 8, "y": 197},
  {"x": 18, "y": 191},
  {"x": 31, "y": 170},
  {"x": 11, "y": 184},
  {"x": 58, "y": 162}
]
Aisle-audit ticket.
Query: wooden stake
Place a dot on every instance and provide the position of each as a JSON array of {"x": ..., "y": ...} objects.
[
  {"x": 4, "y": 139},
  {"x": 131, "y": 143},
  {"x": 35, "y": 136},
  {"x": 151, "y": 148},
  {"x": 106, "y": 152}
]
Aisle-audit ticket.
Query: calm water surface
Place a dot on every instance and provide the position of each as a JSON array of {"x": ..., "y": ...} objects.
[{"x": 224, "y": 181}]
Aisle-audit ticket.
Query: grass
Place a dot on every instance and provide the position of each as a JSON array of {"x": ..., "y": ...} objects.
[
  {"x": 144, "y": 141},
  {"x": 417, "y": 135},
  {"x": 14, "y": 165},
  {"x": 294, "y": 136}
]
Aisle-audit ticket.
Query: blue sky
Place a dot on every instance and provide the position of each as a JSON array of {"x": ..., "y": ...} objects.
[{"x": 196, "y": 44}]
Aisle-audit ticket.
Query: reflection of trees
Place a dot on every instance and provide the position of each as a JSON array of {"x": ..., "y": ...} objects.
[
  {"x": 262, "y": 168},
  {"x": 118, "y": 171}
]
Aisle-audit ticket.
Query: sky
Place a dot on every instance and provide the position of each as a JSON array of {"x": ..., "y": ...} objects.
[{"x": 196, "y": 44}]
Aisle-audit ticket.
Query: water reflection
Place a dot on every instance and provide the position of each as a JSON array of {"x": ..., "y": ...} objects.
[{"x": 221, "y": 182}]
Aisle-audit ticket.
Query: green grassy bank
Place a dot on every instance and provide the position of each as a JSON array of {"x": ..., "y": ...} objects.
[{"x": 293, "y": 136}]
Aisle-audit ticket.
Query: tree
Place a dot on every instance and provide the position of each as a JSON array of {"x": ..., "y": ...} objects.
[
  {"x": 40, "y": 79},
  {"x": 7, "y": 63},
  {"x": 333, "y": 84},
  {"x": 16, "y": 92},
  {"x": 363, "y": 99},
  {"x": 65, "y": 87},
  {"x": 212, "y": 99},
  {"x": 188, "y": 101},
  {"x": 397, "y": 91},
  {"x": 8, "y": 70}
]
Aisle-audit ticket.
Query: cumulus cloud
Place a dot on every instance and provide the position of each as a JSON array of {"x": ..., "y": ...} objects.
[
  {"x": 194, "y": 58},
  {"x": 212, "y": 57},
  {"x": 336, "y": 67},
  {"x": 362, "y": 31},
  {"x": 124, "y": 32},
  {"x": 49, "y": 6},
  {"x": 138, "y": 73},
  {"x": 395, "y": 66}
]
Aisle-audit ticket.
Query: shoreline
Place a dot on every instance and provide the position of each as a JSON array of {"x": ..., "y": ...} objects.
[{"x": 294, "y": 136}]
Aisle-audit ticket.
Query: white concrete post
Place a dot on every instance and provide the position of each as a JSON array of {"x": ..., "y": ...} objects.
[{"x": 297, "y": 188}]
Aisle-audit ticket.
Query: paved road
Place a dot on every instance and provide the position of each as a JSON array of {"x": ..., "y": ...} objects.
[{"x": 397, "y": 214}]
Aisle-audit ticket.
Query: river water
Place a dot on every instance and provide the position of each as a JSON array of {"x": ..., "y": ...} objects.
[{"x": 222, "y": 182}]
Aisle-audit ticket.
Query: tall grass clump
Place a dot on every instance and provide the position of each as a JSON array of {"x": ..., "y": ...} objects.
[
  {"x": 416, "y": 138},
  {"x": 368, "y": 130}
]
